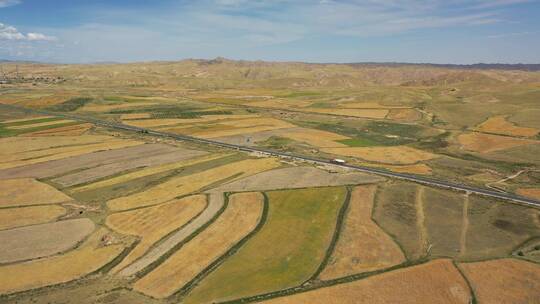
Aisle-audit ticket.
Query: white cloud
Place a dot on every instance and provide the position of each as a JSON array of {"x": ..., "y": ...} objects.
[
  {"x": 8, "y": 32},
  {"x": 6, "y": 3}
]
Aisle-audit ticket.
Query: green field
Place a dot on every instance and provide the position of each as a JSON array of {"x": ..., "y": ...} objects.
[{"x": 284, "y": 253}]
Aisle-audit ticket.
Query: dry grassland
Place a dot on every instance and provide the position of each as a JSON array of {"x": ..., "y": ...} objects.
[
  {"x": 91, "y": 256},
  {"x": 74, "y": 130},
  {"x": 398, "y": 155},
  {"x": 40, "y": 124},
  {"x": 316, "y": 138},
  {"x": 41, "y": 156},
  {"x": 188, "y": 184},
  {"x": 485, "y": 143},
  {"x": 363, "y": 113},
  {"x": 296, "y": 177},
  {"x": 362, "y": 245},
  {"x": 434, "y": 282},
  {"x": 404, "y": 114},
  {"x": 504, "y": 281},
  {"x": 241, "y": 217},
  {"x": 414, "y": 169},
  {"x": 23, "y": 216},
  {"x": 153, "y": 223},
  {"x": 167, "y": 122},
  {"x": 499, "y": 125},
  {"x": 146, "y": 172},
  {"x": 28, "y": 191},
  {"x": 530, "y": 192},
  {"x": 280, "y": 104},
  {"x": 42, "y": 240},
  {"x": 369, "y": 105}
]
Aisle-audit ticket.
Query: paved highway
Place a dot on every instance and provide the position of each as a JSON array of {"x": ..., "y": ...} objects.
[{"x": 381, "y": 172}]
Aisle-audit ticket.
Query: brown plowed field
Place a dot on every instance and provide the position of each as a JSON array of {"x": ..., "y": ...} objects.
[
  {"x": 504, "y": 281},
  {"x": 153, "y": 223},
  {"x": 91, "y": 256},
  {"x": 530, "y": 192},
  {"x": 28, "y": 191},
  {"x": 241, "y": 217},
  {"x": 434, "y": 282},
  {"x": 362, "y": 245},
  {"x": 22, "y": 216},
  {"x": 296, "y": 177},
  {"x": 37, "y": 241}
]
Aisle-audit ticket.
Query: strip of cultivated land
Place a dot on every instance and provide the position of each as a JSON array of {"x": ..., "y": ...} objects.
[
  {"x": 183, "y": 185},
  {"x": 241, "y": 216},
  {"x": 284, "y": 253},
  {"x": 23, "y": 216},
  {"x": 434, "y": 282},
  {"x": 89, "y": 257},
  {"x": 215, "y": 204},
  {"x": 28, "y": 191},
  {"x": 362, "y": 245},
  {"x": 153, "y": 223}
]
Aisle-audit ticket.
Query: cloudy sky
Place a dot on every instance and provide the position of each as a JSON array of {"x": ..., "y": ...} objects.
[{"x": 438, "y": 31}]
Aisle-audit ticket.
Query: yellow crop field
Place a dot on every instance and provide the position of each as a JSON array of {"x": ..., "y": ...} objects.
[
  {"x": 16, "y": 145},
  {"x": 17, "y": 217},
  {"x": 504, "y": 281},
  {"x": 34, "y": 157},
  {"x": 369, "y": 105},
  {"x": 188, "y": 184},
  {"x": 414, "y": 169},
  {"x": 485, "y": 143},
  {"x": 404, "y": 114},
  {"x": 90, "y": 256},
  {"x": 235, "y": 127},
  {"x": 147, "y": 172},
  {"x": 28, "y": 191},
  {"x": 434, "y": 282},
  {"x": 364, "y": 113},
  {"x": 164, "y": 122},
  {"x": 499, "y": 125},
  {"x": 63, "y": 131},
  {"x": 153, "y": 223},
  {"x": 362, "y": 246},
  {"x": 280, "y": 104},
  {"x": 40, "y": 124},
  {"x": 397, "y": 155},
  {"x": 240, "y": 218},
  {"x": 316, "y": 138},
  {"x": 529, "y": 192}
]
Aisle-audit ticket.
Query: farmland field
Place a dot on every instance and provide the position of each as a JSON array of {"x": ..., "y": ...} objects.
[{"x": 91, "y": 213}]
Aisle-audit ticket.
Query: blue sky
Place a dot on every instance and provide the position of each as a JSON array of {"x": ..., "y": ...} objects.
[{"x": 437, "y": 31}]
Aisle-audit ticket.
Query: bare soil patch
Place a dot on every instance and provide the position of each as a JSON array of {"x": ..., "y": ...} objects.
[
  {"x": 504, "y": 281},
  {"x": 296, "y": 177},
  {"x": 434, "y": 282},
  {"x": 42, "y": 240},
  {"x": 362, "y": 245},
  {"x": 530, "y": 192}
]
